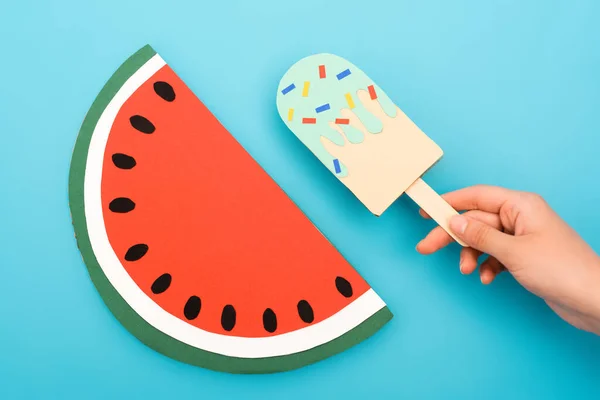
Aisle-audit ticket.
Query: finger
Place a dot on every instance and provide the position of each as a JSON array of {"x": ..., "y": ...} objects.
[
  {"x": 482, "y": 236},
  {"x": 489, "y": 269},
  {"x": 480, "y": 197},
  {"x": 468, "y": 260},
  {"x": 424, "y": 214},
  {"x": 439, "y": 238}
]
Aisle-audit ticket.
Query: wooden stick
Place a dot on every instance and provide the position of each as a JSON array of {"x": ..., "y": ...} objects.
[{"x": 434, "y": 205}]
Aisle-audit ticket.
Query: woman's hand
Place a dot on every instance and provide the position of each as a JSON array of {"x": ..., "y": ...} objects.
[{"x": 520, "y": 233}]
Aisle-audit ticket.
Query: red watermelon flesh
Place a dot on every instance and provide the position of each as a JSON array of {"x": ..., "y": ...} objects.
[{"x": 214, "y": 222}]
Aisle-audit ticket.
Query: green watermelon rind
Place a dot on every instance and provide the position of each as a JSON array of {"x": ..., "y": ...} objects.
[{"x": 134, "y": 323}]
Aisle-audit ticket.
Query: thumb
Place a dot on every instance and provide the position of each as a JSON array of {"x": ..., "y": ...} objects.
[{"x": 482, "y": 237}]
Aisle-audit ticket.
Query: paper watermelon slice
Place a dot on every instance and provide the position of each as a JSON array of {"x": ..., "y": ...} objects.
[{"x": 193, "y": 247}]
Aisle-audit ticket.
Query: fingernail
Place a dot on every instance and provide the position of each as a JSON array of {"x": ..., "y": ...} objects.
[
  {"x": 458, "y": 224},
  {"x": 460, "y": 266},
  {"x": 418, "y": 249},
  {"x": 484, "y": 279}
]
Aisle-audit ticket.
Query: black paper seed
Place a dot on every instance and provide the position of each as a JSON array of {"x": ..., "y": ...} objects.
[
  {"x": 343, "y": 286},
  {"x": 164, "y": 90},
  {"x": 305, "y": 311},
  {"x": 136, "y": 252},
  {"x": 141, "y": 124},
  {"x": 192, "y": 307},
  {"x": 123, "y": 161},
  {"x": 270, "y": 320},
  {"x": 228, "y": 317},
  {"x": 161, "y": 284},
  {"x": 121, "y": 205}
]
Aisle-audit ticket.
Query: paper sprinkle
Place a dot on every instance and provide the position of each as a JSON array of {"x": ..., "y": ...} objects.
[
  {"x": 322, "y": 108},
  {"x": 322, "y": 73},
  {"x": 342, "y": 121},
  {"x": 305, "y": 89},
  {"x": 349, "y": 100},
  {"x": 336, "y": 165},
  {"x": 372, "y": 92},
  {"x": 309, "y": 120},
  {"x": 290, "y": 114},
  {"x": 343, "y": 74},
  {"x": 288, "y": 89}
]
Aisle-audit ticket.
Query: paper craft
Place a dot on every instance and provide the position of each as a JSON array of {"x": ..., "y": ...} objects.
[
  {"x": 357, "y": 132},
  {"x": 193, "y": 247}
]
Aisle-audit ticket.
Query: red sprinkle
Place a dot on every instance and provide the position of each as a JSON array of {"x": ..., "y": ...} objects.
[
  {"x": 322, "y": 73},
  {"x": 342, "y": 121},
  {"x": 372, "y": 92},
  {"x": 309, "y": 120}
]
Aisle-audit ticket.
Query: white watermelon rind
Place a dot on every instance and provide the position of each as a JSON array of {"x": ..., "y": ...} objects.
[{"x": 359, "y": 320}]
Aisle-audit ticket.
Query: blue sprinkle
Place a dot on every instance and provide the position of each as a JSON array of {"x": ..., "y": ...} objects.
[
  {"x": 322, "y": 108},
  {"x": 288, "y": 89},
  {"x": 336, "y": 165},
  {"x": 343, "y": 74}
]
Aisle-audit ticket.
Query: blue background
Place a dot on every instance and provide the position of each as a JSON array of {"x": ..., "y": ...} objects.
[{"x": 510, "y": 90}]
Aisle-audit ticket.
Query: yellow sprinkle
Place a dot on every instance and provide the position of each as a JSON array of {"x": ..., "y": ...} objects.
[
  {"x": 349, "y": 100},
  {"x": 290, "y": 114},
  {"x": 305, "y": 90}
]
